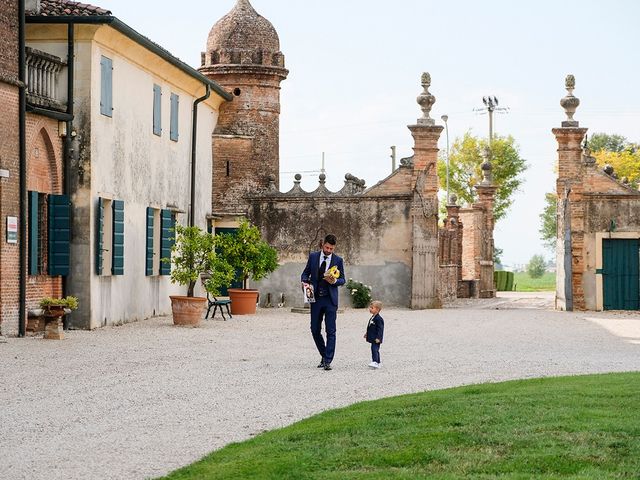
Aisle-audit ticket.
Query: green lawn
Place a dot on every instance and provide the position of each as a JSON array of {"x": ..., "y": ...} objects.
[
  {"x": 524, "y": 283},
  {"x": 585, "y": 427}
]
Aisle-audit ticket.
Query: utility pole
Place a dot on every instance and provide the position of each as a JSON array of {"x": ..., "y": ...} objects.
[{"x": 490, "y": 106}]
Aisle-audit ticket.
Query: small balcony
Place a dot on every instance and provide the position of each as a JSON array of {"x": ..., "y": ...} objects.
[{"x": 43, "y": 80}]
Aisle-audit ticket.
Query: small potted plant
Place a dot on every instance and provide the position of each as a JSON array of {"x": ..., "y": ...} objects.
[
  {"x": 53, "y": 309},
  {"x": 192, "y": 255},
  {"x": 252, "y": 257}
]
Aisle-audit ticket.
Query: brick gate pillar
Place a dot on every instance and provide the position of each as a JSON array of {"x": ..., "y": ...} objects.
[
  {"x": 570, "y": 209},
  {"x": 486, "y": 200},
  {"x": 424, "y": 207}
]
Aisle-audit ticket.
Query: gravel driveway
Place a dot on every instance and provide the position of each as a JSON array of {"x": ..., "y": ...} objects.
[{"x": 140, "y": 400}]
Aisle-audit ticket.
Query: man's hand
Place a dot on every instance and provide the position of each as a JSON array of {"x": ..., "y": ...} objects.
[
  {"x": 330, "y": 279},
  {"x": 377, "y": 340}
]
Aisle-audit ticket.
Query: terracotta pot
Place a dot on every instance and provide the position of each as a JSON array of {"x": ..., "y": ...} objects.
[
  {"x": 243, "y": 302},
  {"x": 187, "y": 311}
]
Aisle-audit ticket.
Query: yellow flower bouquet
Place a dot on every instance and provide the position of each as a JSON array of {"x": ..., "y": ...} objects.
[{"x": 332, "y": 272}]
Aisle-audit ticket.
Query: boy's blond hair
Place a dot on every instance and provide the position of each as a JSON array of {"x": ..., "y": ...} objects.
[{"x": 377, "y": 304}]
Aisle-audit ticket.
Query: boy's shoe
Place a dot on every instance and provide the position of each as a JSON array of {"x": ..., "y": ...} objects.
[
  {"x": 374, "y": 365},
  {"x": 321, "y": 364},
  {"x": 327, "y": 366}
]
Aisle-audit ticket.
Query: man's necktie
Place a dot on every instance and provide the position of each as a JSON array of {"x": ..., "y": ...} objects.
[{"x": 323, "y": 267}]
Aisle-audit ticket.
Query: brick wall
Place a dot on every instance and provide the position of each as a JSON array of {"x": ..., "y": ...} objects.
[
  {"x": 9, "y": 206},
  {"x": 44, "y": 175},
  {"x": 246, "y": 139},
  {"x": 8, "y": 41},
  {"x": 9, "y": 160}
]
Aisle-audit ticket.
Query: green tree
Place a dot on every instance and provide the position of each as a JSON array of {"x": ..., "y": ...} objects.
[
  {"x": 610, "y": 143},
  {"x": 618, "y": 152},
  {"x": 536, "y": 266},
  {"x": 549, "y": 221},
  {"x": 464, "y": 169},
  {"x": 497, "y": 255}
]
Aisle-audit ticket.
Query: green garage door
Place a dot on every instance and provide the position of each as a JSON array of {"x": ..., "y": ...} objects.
[{"x": 620, "y": 274}]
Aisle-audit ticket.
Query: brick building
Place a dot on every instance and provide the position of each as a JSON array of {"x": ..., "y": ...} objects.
[
  {"x": 598, "y": 240},
  {"x": 243, "y": 55},
  {"x": 388, "y": 233},
  {"x": 9, "y": 164}
]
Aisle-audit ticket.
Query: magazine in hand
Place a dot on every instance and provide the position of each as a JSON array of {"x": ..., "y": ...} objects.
[{"x": 308, "y": 293}]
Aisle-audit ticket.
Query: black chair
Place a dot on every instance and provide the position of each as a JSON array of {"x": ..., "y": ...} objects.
[
  {"x": 214, "y": 302},
  {"x": 218, "y": 304}
]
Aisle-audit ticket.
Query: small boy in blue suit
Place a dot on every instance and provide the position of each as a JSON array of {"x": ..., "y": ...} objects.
[{"x": 375, "y": 332}]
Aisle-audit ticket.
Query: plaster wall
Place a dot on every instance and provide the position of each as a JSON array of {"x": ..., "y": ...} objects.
[
  {"x": 120, "y": 158},
  {"x": 374, "y": 239}
]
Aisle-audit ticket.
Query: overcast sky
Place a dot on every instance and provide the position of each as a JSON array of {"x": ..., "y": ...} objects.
[{"x": 355, "y": 69}]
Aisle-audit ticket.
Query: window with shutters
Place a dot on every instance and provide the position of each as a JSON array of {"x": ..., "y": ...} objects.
[
  {"x": 106, "y": 86},
  {"x": 49, "y": 234},
  {"x": 160, "y": 239},
  {"x": 110, "y": 237},
  {"x": 175, "y": 109},
  {"x": 157, "y": 110}
]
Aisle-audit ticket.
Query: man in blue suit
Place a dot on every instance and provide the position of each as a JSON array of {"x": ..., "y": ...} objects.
[{"x": 326, "y": 295}]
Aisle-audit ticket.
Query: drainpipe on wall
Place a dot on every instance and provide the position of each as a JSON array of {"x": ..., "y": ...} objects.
[
  {"x": 194, "y": 134},
  {"x": 70, "y": 143},
  {"x": 22, "y": 149}
]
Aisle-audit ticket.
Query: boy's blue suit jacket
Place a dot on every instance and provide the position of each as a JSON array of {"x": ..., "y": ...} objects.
[{"x": 375, "y": 329}]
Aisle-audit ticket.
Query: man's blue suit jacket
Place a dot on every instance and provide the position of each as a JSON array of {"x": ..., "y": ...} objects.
[{"x": 310, "y": 274}]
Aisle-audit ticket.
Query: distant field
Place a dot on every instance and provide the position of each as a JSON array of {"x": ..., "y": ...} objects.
[{"x": 522, "y": 282}]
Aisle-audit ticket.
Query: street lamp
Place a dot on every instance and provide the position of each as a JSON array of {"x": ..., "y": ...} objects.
[{"x": 446, "y": 128}]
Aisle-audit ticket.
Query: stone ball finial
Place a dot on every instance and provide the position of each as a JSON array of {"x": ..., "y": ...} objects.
[
  {"x": 426, "y": 101},
  {"x": 298, "y": 177},
  {"x": 322, "y": 178},
  {"x": 453, "y": 199},
  {"x": 608, "y": 169},
  {"x": 625, "y": 180},
  {"x": 570, "y": 103}
]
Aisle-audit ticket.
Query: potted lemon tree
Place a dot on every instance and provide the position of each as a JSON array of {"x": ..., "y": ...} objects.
[
  {"x": 192, "y": 255},
  {"x": 250, "y": 256}
]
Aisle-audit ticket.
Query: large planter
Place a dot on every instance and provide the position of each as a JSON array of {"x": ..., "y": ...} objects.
[
  {"x": 53, "y": 322},
  {"x": 243, "y": 301},
  {"x": 187, "y": 311}
]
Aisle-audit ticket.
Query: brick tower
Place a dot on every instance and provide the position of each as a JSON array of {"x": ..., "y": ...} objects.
[{"x": 243, "y": 55}]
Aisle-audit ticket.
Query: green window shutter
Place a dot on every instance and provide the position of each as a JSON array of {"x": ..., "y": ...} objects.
[
  {"x": 118, "y": 238},
  {"x": 99, "y": 235},
  {"x": 167, "y": 240},
  {"x": 34, "y": 204},
  {"x": 157, "y": 110},
  {"x": 106, "y": 86},
  {"x": 175, "y": 108},
  {"x": 149, "y": 258},
  {"x": 59, "y": 237}
]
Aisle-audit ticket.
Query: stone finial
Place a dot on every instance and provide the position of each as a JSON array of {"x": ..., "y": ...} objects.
[
  {"x": 486, "y": 166},
  {"x": 587, "y": 159},
  {"x": 608, "y": 169},
  {"x": 297, "y": 178},
  {"x": 453, "y": 199},
  {"x": 570, "y": 103},
  {"x": 322, "y": 178},
  {"x": 272, "y": 183},
  {"x": 426, "y": 101}
]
